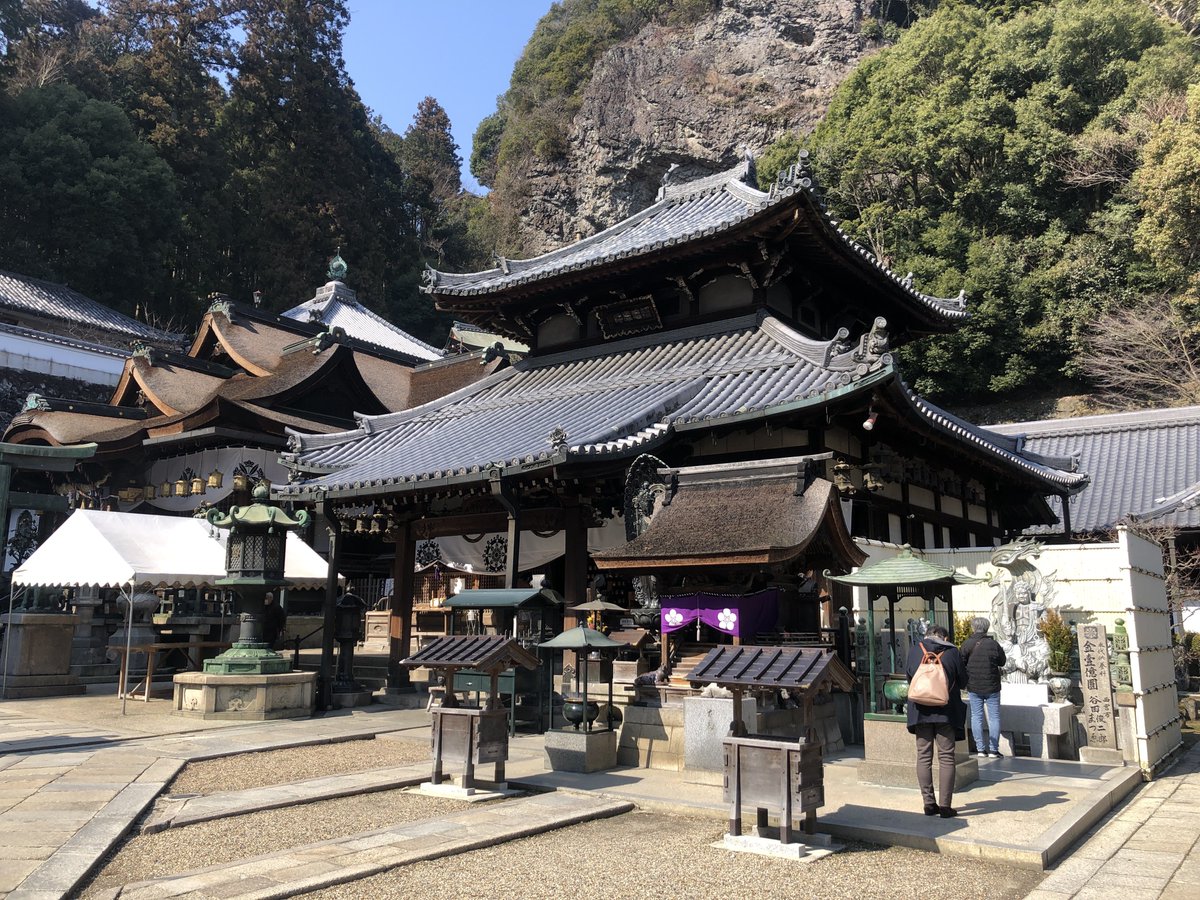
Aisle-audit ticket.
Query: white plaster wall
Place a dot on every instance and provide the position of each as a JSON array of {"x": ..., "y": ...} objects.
[{"x": 47, "y": 358}]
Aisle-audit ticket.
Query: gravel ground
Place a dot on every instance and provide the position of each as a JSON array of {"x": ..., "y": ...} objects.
[
  {"x": 251, "y": 770},
  {"x": 643, "y": 854},
  {"x": 223, "y": 840},
  {"x": 662, "y": 855}
]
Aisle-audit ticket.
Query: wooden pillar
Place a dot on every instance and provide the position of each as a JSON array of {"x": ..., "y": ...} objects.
[
  {"x": 575, "y": 572},
  {"x": 327, "y": 520},
  {"x": 513, "y": 563},
  {"x": 1066, "y": 505},
  {"x": 401, "y": 607}
]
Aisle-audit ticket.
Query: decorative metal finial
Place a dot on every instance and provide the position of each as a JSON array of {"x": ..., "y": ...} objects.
[{"x": 337, "y": 267}]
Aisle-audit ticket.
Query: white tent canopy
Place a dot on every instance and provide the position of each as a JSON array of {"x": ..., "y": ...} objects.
[{"x": 115, "y": 549}]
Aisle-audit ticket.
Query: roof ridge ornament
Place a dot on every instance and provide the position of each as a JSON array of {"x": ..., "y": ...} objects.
[
  {"x": 798, "y": 174},
  {"x": 557, "y": 439},
  {"x": 337, "y": 267},
  {"x": 36, "y": 401}
]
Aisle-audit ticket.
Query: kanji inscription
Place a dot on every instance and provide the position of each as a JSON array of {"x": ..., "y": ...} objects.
[{"x": 1097, "y": 687}]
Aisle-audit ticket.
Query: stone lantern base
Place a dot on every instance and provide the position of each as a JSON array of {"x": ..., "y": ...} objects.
[
  {"x": 247, "y": 659},
  {"x": 248, "y": 697}
]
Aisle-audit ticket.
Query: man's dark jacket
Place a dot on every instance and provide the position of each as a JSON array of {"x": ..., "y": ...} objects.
[
  {"x": 953, "y": 713},
  {"x": 984, "y": 658}
]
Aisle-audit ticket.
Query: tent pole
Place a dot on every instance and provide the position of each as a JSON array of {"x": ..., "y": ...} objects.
[
  {"x": 12, "y": 595},
  {"x": 128, "y": 640}
]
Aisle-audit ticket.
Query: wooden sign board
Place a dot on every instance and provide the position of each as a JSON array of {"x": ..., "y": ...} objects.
[{"x": 1096, "y": 684}]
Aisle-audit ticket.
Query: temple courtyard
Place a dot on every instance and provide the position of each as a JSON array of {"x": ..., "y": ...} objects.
[{"x": 149, "y": 805}]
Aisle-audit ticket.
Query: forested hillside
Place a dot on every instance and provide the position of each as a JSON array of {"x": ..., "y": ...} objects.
[
  {"x": 155, "y": 151},
  {"x": 1043, "y": 157},
  {"x": 1045, "y": 162}
]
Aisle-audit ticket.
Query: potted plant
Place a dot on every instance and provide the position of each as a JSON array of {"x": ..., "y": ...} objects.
[{"x": 1061, "y": 641}]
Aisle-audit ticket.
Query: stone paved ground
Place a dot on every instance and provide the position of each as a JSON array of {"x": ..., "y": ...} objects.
[
  {"x": 1150, "y": 850},
  {"x": 71, "y": 787}
]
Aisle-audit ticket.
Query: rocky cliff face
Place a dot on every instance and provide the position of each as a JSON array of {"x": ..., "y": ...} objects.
[{"x": 694, "y": 95}]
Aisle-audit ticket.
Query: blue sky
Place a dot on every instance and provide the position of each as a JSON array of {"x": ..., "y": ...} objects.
[{"x": 459, "y": 51}]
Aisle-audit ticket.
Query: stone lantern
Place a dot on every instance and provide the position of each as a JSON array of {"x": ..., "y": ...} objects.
[{"x": 254, "y": 558}]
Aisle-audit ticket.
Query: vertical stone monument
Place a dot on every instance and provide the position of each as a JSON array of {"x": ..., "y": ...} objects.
[{"x": 1096, "y": 684}]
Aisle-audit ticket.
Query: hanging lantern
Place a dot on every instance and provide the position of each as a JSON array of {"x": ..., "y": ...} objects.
[
  {"x": 241, "y": 482},
  {"x": 216, "y": 478},
  {"x": 164, "y": 489},
  {"x": 181, "y": 488},
  {"x": 197, "y": 485},
  {"x": 149, "y": 491}
]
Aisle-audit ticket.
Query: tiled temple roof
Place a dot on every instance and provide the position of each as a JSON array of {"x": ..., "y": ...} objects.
[
  {"x": 682, "y": 214},
  {"x": 612, "y": 401},
  {"x": 337, "y": 306},
  {"x": 45, "y": 299},
  {"x": 1142, "y": 464}
]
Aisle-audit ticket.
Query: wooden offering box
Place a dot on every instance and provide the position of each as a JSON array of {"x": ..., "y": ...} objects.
[
  {"x": 468, "y": 736},
  {"x": 776, "y": 776}
]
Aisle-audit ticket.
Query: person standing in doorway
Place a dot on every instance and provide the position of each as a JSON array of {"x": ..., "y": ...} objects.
[
  {"x": 984, "y": 658},
  {"x": 938, "y": 727},
  {"x": 274, "y": 621}
]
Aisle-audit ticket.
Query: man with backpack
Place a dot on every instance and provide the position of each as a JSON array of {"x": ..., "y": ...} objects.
[{"x": 936, "y": 714}]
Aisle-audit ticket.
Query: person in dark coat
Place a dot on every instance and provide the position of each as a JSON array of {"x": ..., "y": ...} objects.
[
  {"x": 274, "y": 620},
  {"x": 984, "y": 658},
  {"x": 938, "y": 726}
]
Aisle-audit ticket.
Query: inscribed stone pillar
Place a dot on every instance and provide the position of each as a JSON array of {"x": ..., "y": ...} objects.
[{"x": 403, "y": 581}]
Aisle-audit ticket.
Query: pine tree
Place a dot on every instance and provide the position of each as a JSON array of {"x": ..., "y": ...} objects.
[
  {"x": 309, "y": 173},
  {"x": 160, "y": 58}
]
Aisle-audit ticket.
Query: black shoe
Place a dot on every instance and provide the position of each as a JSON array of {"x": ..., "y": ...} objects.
[
  {"x": 996, "y": 754},
  {"x": 947, "y": 812},
  {"x": 931, "y": 809}
]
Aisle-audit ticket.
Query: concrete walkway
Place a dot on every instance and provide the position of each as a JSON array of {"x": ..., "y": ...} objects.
[
  {"x": 1021, "y": 812},
  {"x": 314, "y": 866},
  {"x": 71, "y": 788},
  {"x": 1150, "y": 850}
]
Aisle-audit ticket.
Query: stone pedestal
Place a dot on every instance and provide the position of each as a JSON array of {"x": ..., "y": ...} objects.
[
  {"x": 377, "y": 636},
  {"x": 37, "y": 662},
  {"x": 249, "y": 697},
  {"x": 890, "y": 755},
  {"x": 652, "y": 737},
  {"x": 569, "y": 750},
  {"x": 1046, "y": 727},
  {"x": 706, "y": 722},
  {"x": 350, "y": 699}
]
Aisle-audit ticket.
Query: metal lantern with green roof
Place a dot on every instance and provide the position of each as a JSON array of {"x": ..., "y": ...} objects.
[
  {"x": 254, "y": 560},
  {"x": 904, "y": 575}
]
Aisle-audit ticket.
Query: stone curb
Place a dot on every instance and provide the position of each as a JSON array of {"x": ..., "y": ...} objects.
[{"x": 235, "y": 803}]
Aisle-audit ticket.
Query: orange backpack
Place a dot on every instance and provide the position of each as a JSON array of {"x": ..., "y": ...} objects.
[{"x": 928, "y": 686}]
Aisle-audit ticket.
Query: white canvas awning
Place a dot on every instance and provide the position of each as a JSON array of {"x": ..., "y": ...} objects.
[{"x": 115, "y": 549}]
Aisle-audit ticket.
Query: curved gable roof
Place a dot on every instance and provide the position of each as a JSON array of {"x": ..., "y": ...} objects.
[{"x": 686, "y": 213}]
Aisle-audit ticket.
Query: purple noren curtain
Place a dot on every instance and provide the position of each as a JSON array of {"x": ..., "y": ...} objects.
[{"x": 744, "y": 615}]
